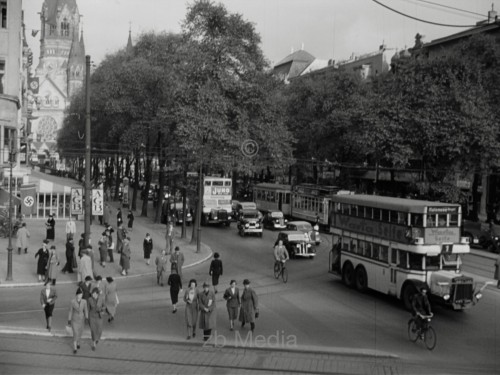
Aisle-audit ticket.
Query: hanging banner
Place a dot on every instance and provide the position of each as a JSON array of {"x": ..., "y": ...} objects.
[
  {"x": 97, "y": 202},
  {"x": 76, "y": 201},
  {"x": 28, "y": 199}
]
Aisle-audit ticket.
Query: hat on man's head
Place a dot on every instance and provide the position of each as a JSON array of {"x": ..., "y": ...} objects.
[
  {"x": 88, "y": 278},
  {"x": 177, "y": 248},
  {"x": 246, "y": 282},
  {"x": 205, "y": 284},
  {"x": 46, "y": 241},
  {"x": 79, "y": 291}
]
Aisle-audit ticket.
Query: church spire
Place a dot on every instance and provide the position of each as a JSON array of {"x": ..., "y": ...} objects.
[{"x": 130, "y": 48}]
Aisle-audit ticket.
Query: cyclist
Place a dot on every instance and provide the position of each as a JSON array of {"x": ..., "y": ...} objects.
[
  {"x": 280, "y": 254},
  {"x": 421, "y": 306}
]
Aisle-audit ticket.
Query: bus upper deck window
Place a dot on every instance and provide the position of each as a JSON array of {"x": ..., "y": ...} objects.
[
  {"x": 431, "y": 221},
  {"x": 376, "y": 214},
  {"x": 345, "y": 208},
  {"x": 417, "y": 220},
  {"x": 369, "y": 212},
  {"x": 385, "y": 216},
  {"x": 361, "y": 211},
  {"x": 354, "y": 210}
]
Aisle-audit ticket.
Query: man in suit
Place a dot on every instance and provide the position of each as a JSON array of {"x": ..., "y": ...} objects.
[
  {"x": 86, "y": 287},
  {"x": 177, "y": 260},
  {"x": 48, "y": 297}
]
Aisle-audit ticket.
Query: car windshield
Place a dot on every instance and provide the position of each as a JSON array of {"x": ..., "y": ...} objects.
[
  {"x": 250, "y": 214},
  {"x": 276, "y": 215}
]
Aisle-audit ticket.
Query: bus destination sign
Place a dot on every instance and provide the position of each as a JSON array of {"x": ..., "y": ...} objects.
[{"x": 442, "y": 210}]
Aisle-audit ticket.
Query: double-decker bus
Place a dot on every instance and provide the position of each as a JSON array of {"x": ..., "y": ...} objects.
[
  {"x": 396, "y": 245},
  {"x": 217, "y": 193}
]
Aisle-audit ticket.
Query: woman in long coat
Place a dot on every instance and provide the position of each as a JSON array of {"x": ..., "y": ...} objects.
[
  {"x": 23, "y": 236},
  {"x": 191, "y": 312},
  {"x": 96, "y": 309},
  {"x": 147, "y": 246},
  {"x": 43, "y": 258},
  {"x": 208, "y": 314},
  {"x": 232, "y": 296},
  {"x": 52, "y": 264},
  {"x": 110, "y": 298},
  {"x": 130, "y": 217},
  {"x": 78, "y": 312},
  {"x": 125, "y": 256},
  {"x": 51, "y": 224},
  {"x": 249, "y": 305}
]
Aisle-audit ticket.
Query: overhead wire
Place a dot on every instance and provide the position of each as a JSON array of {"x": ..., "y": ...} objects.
[{"x": 420, "y": 19}]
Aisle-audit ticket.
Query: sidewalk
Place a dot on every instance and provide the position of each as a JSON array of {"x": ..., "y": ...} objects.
[{"x": 24, "y": 265}]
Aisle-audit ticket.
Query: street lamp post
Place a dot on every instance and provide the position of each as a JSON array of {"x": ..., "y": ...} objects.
[
  {"x": 12, "y": 155},
  {"x": 88, "y": 206},
  {"x": 200, "y": 208}
]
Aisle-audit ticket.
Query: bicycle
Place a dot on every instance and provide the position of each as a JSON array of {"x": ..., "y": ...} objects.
[
  {"x": 425, "y": 333},
  {"x": 280, "y": 270}
]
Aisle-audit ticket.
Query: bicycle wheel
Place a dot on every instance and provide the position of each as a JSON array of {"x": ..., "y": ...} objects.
[
  {"x": 412, "y": 330},
  {"x": 430, "y": 338},
  {"x": 284, "y": 274},
  {"x": 277, "y": 270}
]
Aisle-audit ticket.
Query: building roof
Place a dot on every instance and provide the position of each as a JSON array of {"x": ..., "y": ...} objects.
[
  {"x": 297, "y": 56},
  {"x": 463, "y": 34},
  {"x": 53, "y": 5}
]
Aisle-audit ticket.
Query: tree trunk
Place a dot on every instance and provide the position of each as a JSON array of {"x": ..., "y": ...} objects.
[
  {"x": 118, "y": 177},
  {"x": 147, "y": 173},
  {"x": 184, "y": 212},
  {"x": 136, "y": 179},
  {"x": 161, "y": 178}
]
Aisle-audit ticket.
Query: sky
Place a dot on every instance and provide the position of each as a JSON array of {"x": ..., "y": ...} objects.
[{"x": 327, "y": 29}]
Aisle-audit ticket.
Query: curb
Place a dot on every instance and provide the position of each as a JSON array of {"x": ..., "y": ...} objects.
[
  {"x": 365, "y": 353},
  {"x": 120, "y": 277}
]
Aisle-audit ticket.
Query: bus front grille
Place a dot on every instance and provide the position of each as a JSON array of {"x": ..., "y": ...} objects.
[{"x": 462, "y": 290}]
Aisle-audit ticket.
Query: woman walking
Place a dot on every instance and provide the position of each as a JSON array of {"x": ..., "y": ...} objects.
[
  {"x": 51, "y": 225},
  {"x": 48, "y": 298},
  {"x": 43, "y": 258},
  {"x": 232, "y": 296},
  {"x": 110, "y": 298},
  {"x": 125, "y": 256},
  {"x": 78, "y": 313},
  {"x": 215, "y": 271},
  {"x": 23, "y": 236},
  {"x": 147, "y": 246},
  {"x": 249, "y": 306},
  {"x": 174, "y": 280},
  {"x": 191, "y": 313},
  {"x": 130, "y": 217},
  {"x": 206, "y": 301},
  {"x": 52, "y": 264},
  {"x": 96, "y": 309}
]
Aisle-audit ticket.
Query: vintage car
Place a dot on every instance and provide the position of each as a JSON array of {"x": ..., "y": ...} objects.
[
  {"x": 179, "y": 216},
  {"x": 307, "y": 228},
  {"x": 249, "y": 222},
  {"x": 238, "y": 206},
  {"x": 297, "y": 244},
  {"x": 274, "y": 219}
]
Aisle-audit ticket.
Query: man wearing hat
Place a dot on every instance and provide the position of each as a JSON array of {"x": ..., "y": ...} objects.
[
  {"x": 249, "y": 305},
  {"x": 177, "y": 260},
  {"x": 50, "y": 224},
  {"x": 206, "y": 301}
]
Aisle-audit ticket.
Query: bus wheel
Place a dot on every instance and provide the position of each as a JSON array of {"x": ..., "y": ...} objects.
[
  {"x": 407, "y": 296},
  {"x": 348, "y": 274},
  {"x": 361, "y": 279}
]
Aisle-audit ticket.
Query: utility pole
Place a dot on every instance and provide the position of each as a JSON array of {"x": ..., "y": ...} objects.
[
  {"x": 12, "y": 156},
  {"x": 88, "y": 203}
]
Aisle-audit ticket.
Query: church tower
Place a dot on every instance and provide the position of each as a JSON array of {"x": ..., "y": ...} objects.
[{"x": 61, "y": 67}]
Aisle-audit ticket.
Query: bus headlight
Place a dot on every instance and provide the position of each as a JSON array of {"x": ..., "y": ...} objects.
[
  {"x": 247, "y": 225},
  {"x": 308, "y": 245},
  {"x": 446, "y": 297},
  {"x": 479, "y": 295}
]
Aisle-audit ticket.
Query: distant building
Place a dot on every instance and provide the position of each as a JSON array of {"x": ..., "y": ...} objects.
[
  {"x": 297, "y": 64},
  {"x": 10, "y": 75},
  {"x": 61, "y": 69},
  {"x": 370, "y": 64}
]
